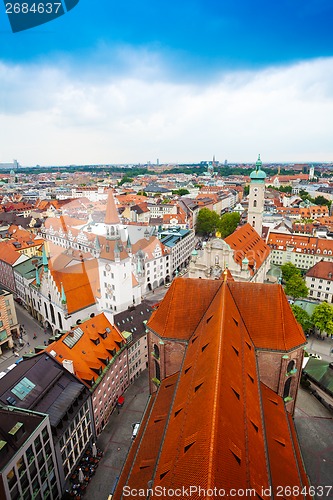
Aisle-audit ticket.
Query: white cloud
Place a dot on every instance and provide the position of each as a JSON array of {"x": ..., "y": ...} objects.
[{"x": 49, "y": 116}]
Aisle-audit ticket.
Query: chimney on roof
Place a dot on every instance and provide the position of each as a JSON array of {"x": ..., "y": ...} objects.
[{"x": 69, "y": 365}]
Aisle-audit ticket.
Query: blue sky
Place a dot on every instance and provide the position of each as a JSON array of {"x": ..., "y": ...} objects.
[{"x": 179, "y": 81}]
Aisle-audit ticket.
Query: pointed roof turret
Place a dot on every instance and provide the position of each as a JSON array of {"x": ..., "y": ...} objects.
[
  {"x": 258, "y": 175},
  {"x": 111, "y": 214},
  {"x": 63, "y": 295},
  {"x": 44, "y": 259},
  {"x": 97, "y": 244}
]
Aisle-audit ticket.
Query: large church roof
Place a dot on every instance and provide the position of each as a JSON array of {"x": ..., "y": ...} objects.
[{"x": 213, "y": 424}]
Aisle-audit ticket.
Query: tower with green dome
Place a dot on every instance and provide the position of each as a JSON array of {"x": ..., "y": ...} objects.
[{"x": 256, "y": 197}]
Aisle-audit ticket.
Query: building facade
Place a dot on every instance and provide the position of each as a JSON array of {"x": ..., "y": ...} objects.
[
  {"x": 319, "y": 280},
  {"x": 256, "y": 197},
  {"x": 9, "y": 327},
  {"x": 28, "y": 466}
]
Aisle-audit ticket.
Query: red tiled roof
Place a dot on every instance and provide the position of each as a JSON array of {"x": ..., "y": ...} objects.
[
  {"x": 111, "y": 214},
  {"x": 322, "y": 270},
  {"x": 257, "y": 302},
  {"x": 300, "y": 243},
  {"x": 80, "y": 282},
  {"x": 282, "y": 446},
  {"x": 85, "y": 354},
  {"x": 209, "y": 429},
  {"x": 183, "y": 306},
  {"x": 7, "y": 253},
  {"x": 246, "y": 242}
]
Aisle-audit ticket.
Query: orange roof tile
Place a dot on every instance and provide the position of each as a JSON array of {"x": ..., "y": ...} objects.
[
  {"x": 281, "y": 441},
  {"x": 78, "y": 346},
  {"x": 111, "y": 214},
  {"x": 178, "y": 317},
  {"x": 7, "y": 253},
  {"x": 322, "y": 270},
  {"x": 246, "y": 242},
  {"x": 300, "y": 243},
  {"x": 209, "y": 430},
  {"x": 80, "y": 282},
  {"x": 256, "y": 303}
]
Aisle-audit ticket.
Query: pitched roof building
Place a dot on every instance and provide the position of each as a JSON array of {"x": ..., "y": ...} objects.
[
  {"x": 223, "y": 389},
  {"x": 301, "y": 250},
  {"x": 319, "y": 280},
  {"x": 95, "y": 352},
  {"x": 244, "y": 253}
]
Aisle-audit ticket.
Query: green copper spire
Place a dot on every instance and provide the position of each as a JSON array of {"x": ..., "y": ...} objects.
[
  {"x": 258, "y": 163},
  {"x": 44, "y": 260},
  {"x": 63, "y": 295},
  {"x": 258, "y": 175},
  {"x": 97, "y": 244}
]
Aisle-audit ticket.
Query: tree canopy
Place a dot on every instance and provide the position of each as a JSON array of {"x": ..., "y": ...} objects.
[
  {"x": 181, "y": 192},
  {"x": 289, "y": 270},
  {"x": 296, "y": 287},
  {"x": 228, "y": 223},
  {"x": 208, "y": 222},
  {"x": 303, "y": 318},
  {"x": 322, "y": 318}
]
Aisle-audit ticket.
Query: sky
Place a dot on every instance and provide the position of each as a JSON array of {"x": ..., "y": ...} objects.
[{"x": 179, "y": 81}]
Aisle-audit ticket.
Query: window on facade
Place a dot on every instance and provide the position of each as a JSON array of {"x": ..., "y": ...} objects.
[{"x": 286, "y": 389}]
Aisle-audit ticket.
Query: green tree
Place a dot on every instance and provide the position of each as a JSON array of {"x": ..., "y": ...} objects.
[
  {"x": 322, "y": 318},
  {"x": 246, "y": 190},
  {"x": 289, "y": 270},
  {"x": 303, "y": 318},
  {"x": 181, "y": 192},
  {"x": 228, "y": 223},
  {"x": 125, "y": 179},
  {"x": 296, "y": 287},
  {"x": 141, "y": 193},
  {"x": 207, "y": 221},
  {"x": 321, "y": 200},
  {"x": 285, "y": 189}
]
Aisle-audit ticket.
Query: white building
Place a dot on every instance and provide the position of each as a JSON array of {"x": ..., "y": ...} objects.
[
  {"x": 319, "y": 280},
  {"x": 256, "y": 197}
]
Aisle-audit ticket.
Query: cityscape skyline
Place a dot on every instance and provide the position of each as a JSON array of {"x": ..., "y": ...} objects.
[{"x": 129, "y": 83}]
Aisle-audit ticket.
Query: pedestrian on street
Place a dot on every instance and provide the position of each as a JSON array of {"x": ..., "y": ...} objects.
[
  {"x": 28, "y": 344},
  {"x": 35, "y": 336}
]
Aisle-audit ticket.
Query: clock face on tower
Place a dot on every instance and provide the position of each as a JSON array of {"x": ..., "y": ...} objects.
[
  {"x": 255, "y": 190},
  {"x": 107, "y": 267}
]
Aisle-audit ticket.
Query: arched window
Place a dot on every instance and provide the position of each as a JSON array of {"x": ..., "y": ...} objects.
[
  {"x": 286, "y": 389},
  {"x": 52, "y": 314},
  {"x": 156, "y": 351},
  {"x": 291, "y": 365},
  {"x": 217, "y": 259},
  {"x": 255, "y": 203},
  {"x": 157, "y": 370},
  {"x": 60, "y": 321}
]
